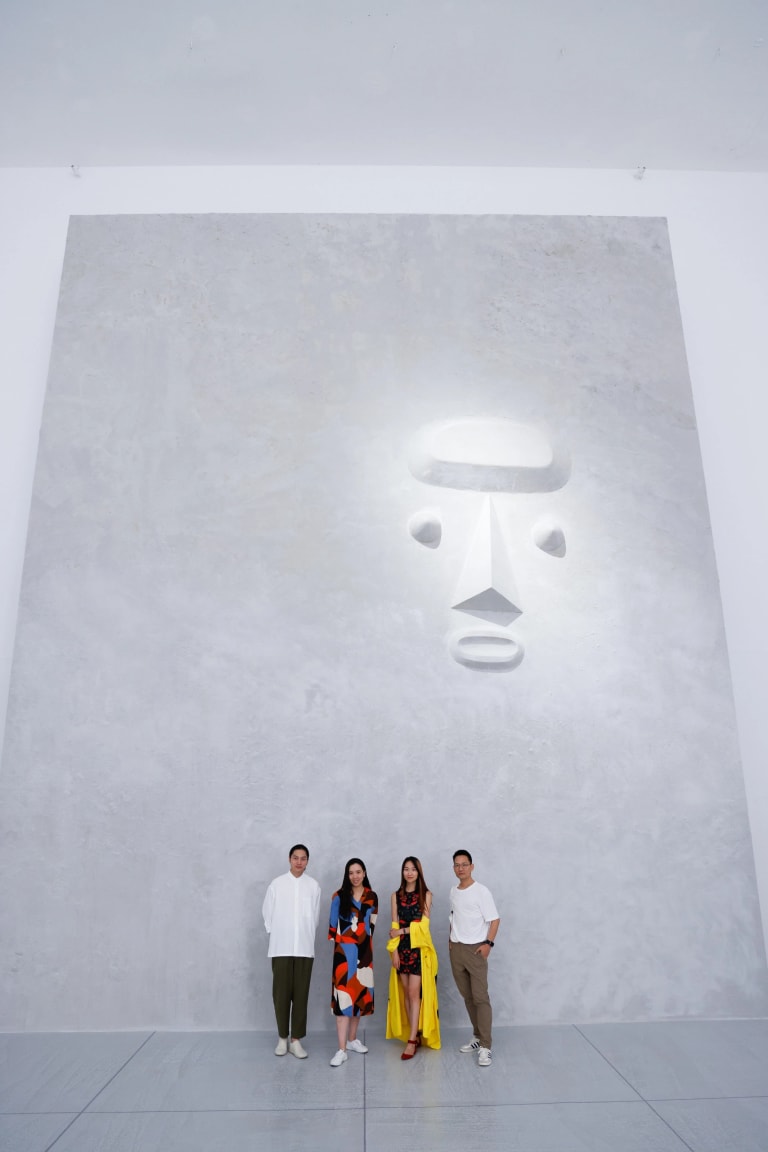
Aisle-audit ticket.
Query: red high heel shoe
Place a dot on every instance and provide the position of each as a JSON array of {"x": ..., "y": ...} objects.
[{"x": 406, "y": 1055}]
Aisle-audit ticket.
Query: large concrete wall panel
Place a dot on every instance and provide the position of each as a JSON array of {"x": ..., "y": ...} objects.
[{"x": 229, "y": 641}]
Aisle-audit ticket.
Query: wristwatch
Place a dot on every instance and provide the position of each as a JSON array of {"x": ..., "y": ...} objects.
[{"x": 489, "y": 942}]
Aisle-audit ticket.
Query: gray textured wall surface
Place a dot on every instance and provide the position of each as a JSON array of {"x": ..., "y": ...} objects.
[{"x": 228, "y": 640}]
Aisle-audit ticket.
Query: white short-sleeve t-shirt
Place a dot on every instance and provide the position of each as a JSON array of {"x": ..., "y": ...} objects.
[{"x": 472, "y": 910}]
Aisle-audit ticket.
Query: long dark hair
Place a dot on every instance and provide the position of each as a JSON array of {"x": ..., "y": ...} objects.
[
  {"x": 345, "y": 891},
  {"x": 421, "y": 884}
]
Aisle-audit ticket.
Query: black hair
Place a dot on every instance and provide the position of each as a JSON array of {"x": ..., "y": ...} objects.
[
  {"x": 345, "y": 891},
  {"x": 421, "y": 884},
  {"x": 299, "y": 848},
  {"x": 462, "y": 852}
]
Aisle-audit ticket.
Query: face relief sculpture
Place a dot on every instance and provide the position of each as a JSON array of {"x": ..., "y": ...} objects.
[{"x": 487, "y": 455}]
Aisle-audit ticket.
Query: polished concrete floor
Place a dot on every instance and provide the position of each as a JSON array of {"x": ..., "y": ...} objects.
[{"x": 665, "y": 1087}]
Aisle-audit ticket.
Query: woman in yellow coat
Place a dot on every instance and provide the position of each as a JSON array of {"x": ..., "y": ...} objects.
[{"x": 412, "y": 1014}]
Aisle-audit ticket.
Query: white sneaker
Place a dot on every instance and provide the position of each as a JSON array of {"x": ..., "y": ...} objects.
[
  {"x": 338, "y": 1059},
  {"x": 484, "y": 1057},
  {"x": 282, "y": 1047},
  {"x": 296, "y": 1050},
  {"x": 356, "y": 1046},
  {"x": 473, "y": 1045}
]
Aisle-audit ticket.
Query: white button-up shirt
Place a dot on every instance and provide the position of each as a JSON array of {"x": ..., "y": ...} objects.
[{"x": 291, "y": 914}]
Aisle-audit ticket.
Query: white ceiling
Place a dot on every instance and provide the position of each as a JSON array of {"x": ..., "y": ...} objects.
[{"x": 563, "y": 83}]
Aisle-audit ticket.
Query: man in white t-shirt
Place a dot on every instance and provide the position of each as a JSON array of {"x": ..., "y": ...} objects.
[
  {"x": 291, "y": 913},
  {"x": 474, "y": 924}
]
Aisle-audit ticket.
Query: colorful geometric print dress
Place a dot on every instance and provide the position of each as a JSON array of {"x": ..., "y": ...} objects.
[
  {"x": 352, "y": 979},
  {"x": 407, "y": 911}
]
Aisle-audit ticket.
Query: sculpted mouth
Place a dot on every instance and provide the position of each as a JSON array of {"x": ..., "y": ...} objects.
[{"x": 486, "y": 650}]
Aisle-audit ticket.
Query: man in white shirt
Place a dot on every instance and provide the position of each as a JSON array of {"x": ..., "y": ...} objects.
[
  {"x": 474, "y": 924},
  {"x": 291, "y": 913}
]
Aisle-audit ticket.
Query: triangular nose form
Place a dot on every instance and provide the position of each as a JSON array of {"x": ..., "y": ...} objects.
[{"x": 486, "y": 586}]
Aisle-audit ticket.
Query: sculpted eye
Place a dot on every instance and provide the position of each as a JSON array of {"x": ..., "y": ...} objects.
[
  {"x": 549, "y": 537},
  {"x": 426, "y": 527}
]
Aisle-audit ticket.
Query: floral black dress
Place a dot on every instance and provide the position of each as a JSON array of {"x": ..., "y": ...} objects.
[{"x": 407, "y": 911}]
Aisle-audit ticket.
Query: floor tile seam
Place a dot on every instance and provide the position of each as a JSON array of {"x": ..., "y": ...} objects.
[
  {"x": 663, "y": 1099},
  {"x": 608, "y": 1062},
  {"x": 87, "y": 1106},
  {"x": 45, "y": 1112},
  {"x": 672, "y": 1129},
  {"x": 123, "y": 1066},
  {"x": 504, "y": 1104},
  {"x": 365, "y": 1094},
  {"x": 216, "y": 1111},
  {"x": 698, "y": 1099}
]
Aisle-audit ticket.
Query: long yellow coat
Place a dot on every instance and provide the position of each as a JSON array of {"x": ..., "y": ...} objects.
[{"x": 398, "y": 1025}]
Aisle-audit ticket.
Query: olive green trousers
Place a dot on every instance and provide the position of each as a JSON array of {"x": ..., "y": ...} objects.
[{"x": 290, "y": 992}]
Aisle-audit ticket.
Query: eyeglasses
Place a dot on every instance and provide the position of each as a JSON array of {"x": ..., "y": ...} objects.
[{"x": 462, "y": 865}]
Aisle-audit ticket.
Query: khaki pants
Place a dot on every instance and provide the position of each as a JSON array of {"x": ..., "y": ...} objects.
[
  {"x": 290, "y": 990},
  {"x": 470, "y": 971}
]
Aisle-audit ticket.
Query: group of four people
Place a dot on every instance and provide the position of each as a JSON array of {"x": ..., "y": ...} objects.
[{"x": 292, "y": 912}]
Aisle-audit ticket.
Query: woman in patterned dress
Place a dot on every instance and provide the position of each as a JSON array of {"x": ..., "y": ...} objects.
[
  {"x": 353, "y": 918},
  {"x": 411, "y": 903}
]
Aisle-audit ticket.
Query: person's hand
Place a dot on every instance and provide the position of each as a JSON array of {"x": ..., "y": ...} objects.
[
  {"x": 484, "y": 950},
  {"x": 396, "y": 960},
  {"x": 394, "y": 932}
]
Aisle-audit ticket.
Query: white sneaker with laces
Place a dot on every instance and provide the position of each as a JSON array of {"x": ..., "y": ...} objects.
[
  {"x": 472, "y": 1046},
  {"x": 484, "y": 1057},
  {"x": 296, "y": 1050},
  {"x": 338, "y": 1059},
  {"x": 282, "y": 1046},
  {"x": 356, "y": 1046}
]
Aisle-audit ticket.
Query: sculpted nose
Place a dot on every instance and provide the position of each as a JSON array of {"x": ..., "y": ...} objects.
[{"x": 486, "y": 587}]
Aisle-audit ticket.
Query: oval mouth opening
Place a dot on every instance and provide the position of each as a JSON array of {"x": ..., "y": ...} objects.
[{"x": 486, "y": 650}]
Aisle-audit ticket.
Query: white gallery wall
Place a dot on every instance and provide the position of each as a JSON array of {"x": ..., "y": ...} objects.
[{"x": 615, "y": 828}]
